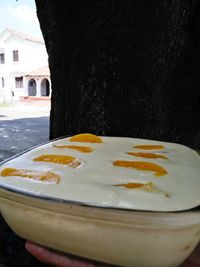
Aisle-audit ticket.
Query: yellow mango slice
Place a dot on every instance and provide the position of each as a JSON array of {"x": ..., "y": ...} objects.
[
  {"x": 145, "y": 186},
  {"x": 149, "y": 147},
  {"x": 86, "y": 137},
  {"x": 142, "y": 165},
  {"x": 147, "y": 155},
  {"x": 84, "y": 149},
  {"x": 59, "y": 159},
  {"x": 31, "y": 174},
  {"x": 149, "y": 187}
]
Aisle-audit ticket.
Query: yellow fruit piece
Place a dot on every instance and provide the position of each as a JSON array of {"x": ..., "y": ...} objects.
[
  {"x": 142, "y": 165},
  {"x": 149, "y": 147},
  {"x": 149, "y": 187},
  {"x": 60, "y": 159},
  {"x": 145, "y": 186},
  {"x": 31, "y": 174},
  {"x": 86, "y": 137},
  {"x": 147, "y": 155},
  {"x": 84, "y": 149}
]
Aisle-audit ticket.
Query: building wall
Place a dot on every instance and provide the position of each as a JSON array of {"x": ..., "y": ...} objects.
[{"x": 32, "y": 55}]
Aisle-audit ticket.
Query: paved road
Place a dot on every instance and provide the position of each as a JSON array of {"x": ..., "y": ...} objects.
[{"x": 23, "y": 125}]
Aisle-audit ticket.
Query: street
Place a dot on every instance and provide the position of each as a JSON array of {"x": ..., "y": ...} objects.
[{"x": 23, "y": 125}]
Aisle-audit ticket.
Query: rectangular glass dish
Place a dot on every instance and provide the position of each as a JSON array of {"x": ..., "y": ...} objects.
[{"x": 115, "y": 231}]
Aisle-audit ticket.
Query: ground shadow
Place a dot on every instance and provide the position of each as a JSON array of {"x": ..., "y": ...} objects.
[
  {"x": 21, "y": 134},
  {"x": 17, "y": 136}
]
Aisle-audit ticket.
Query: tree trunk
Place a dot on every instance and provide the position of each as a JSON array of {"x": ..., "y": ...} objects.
[{"x": 124, "y": 67}]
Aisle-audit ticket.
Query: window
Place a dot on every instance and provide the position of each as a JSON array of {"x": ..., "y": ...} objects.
[
  {"x": 2, "y": 82},
  {"x": 2, "y": 58},
  {"x": 15, "y": 55},
  {"x": 19, "y": 82}
]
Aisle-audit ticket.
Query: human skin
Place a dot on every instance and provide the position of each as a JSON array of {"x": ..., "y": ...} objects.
[{"x": 49, "y": 257}]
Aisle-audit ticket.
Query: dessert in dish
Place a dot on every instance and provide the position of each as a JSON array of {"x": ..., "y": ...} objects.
[
  {"x": 88, "y": 195},
  {"x": 115, "y": 172}
]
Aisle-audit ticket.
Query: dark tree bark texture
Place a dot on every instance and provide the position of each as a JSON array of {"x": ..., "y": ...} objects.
[{"x": 124, "y": 67}]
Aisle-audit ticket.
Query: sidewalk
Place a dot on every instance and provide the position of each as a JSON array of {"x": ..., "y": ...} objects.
[
  {"x": 25, "y": 109},
  {"x": 23, "y": 125}
]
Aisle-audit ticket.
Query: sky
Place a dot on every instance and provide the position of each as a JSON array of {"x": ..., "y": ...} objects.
[{"x": 19, "y": 15}]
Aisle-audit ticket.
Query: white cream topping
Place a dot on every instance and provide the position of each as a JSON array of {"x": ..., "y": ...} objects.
[{"x": 93, "y": 182}]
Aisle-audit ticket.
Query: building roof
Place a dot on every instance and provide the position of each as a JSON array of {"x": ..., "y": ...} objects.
[
  {"x": 43, "y": 71},
  {"x": 8, "y": 32}
]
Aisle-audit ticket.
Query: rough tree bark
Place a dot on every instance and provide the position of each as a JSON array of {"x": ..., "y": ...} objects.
[{"x": 124, "y": 67}]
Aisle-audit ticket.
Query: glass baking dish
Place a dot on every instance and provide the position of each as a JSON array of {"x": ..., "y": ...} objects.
[
  {"x": 111, "y": 235},
  {"x": 120, "y": 237}
]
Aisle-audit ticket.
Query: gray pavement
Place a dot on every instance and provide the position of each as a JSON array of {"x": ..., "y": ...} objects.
[{"x": 23, "y": 125}]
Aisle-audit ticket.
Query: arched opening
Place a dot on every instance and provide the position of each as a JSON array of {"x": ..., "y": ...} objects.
[
  {"x": 45, "y": 88},
  {"x": 2, "y": 82},
  {"x": 32, "y": 87}
]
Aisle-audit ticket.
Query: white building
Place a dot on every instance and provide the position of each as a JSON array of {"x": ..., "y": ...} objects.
[{"x": 23, "y": 66}]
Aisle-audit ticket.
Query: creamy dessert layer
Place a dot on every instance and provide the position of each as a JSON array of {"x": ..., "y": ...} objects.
[{"x": 115, "y": 172}]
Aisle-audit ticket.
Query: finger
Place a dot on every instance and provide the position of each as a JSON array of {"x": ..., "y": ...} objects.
[{"x": 49, "y": 257}]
